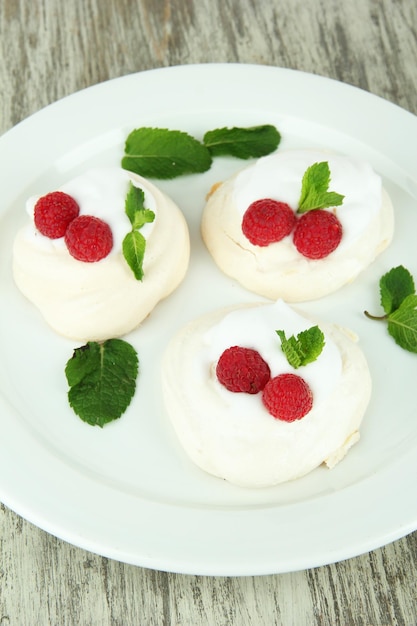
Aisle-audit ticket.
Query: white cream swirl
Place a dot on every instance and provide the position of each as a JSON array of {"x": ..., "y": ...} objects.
[
  {"x": 232, "y": 435},
  {"x": 100, "y": 192},
  {"x": 279, "y": 177},
  {"x": 279, "y": 270},
  {"x": 97, "y": 301}
]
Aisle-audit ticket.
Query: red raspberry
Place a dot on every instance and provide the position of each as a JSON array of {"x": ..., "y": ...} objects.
[
  {"x": 54, "y": 212},
  {"x": 267, "y": 221},
  {"x": 89, "y": 239},
  {"x": 287, "y": 397},
  {"x": 242, "y": 370},
  {"x": 317, "y": 234}
]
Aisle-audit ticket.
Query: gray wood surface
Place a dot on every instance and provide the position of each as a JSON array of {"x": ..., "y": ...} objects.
[{"x": 52, "y": 48}]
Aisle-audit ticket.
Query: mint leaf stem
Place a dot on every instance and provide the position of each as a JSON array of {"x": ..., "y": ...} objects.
[{"x": 380, "y": 318}]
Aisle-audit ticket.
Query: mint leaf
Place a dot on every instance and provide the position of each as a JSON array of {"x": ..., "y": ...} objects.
[
  {"x": 102, "y": 380},
  {"x": 134, "y": 202},
  {"x": 399, "y": 301},
  {"x": 402, "y": 324},
  {"x": 163, "y": 153},
  {"x": 303, "y": 349},
  {"x": 82, "y": 364},
  {"x": 289, "y": 348},
  {"x": 314, "y": 189},
  {"x": 243, "y": 143},
  {"x": 133, "y": 247},
  {"x": 395, "y": 286},
  {"x": 134, "y": 244},
  {"x": 135, "y": 209}
]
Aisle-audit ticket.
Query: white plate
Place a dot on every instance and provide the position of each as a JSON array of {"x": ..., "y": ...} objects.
[{"x": 127, "y": 491}]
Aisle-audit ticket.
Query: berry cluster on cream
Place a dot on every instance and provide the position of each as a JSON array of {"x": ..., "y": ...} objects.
[
  {"x": 88, "y": 238},
  {"x": 287, "y": 396},
  {"x": 316, "y": 231},
  {"x": 263, "y": 367},
  {"x": 288, "y": 193}
]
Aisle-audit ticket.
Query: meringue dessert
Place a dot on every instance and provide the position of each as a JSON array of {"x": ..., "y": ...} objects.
[
  {"x": 233, "y": 434},
  {"x": 93, "y": 301},
  {"x": 278, "y": 269}
]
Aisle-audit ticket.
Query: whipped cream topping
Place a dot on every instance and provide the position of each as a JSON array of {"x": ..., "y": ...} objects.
[
  {"x": 100, "y": 192},
  {"x": 279, "y": 270},
  {"x": 322, "y": 375},
  {"x": 97, "y": 301},
  {"x": 278, "y": 176},
  {"x": 232, "y": 435}
]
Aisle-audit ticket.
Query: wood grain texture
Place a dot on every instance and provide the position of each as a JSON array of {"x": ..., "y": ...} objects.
[{"x": 52, "y": 48}]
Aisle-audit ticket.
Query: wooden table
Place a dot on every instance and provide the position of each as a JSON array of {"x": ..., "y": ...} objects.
[{"x": 52, "y": 48}]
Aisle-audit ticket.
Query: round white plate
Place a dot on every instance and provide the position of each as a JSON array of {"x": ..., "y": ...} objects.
[{"x": 127, "y": 491}]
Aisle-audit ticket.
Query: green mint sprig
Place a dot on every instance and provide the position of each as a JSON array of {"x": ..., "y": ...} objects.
[
  {"x": 102, "y": 380},
  {"x": 242, "y": 143},
  {"x": 305, "y": 348},
  {"x": 134, "y": 243},
  {"x": 314, "y": 189},
  {"x": 399, "y": 301},
  {"x": 163, "y": 153}
]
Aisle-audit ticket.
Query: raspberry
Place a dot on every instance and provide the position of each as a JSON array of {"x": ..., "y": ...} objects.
[
  {"x": 54, "y": 212},
  {"x": 317, "y": 233},
  {"x": 242, "y": 370},
  {"x": 267, "y": 221},
  {"x": 287, "y": 397},
  {"x": 88, "y": 239}
]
